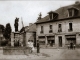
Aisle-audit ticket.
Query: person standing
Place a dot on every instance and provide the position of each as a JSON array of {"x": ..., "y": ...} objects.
[
  {"x": 71, "y": 45},
  {"x": 74, "y": 46},
  {"x": 68, "y": 46},
  {"x": 32, "y": 47},
  {"x": 28, "y": 44},
  {"x": 38, "y": 47}
]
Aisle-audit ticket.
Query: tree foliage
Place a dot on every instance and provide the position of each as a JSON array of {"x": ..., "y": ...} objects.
[
  {"x": 2, "y": 28},
  {"x": 22, "y": 29},
  {"x": 7, "y": 31}
]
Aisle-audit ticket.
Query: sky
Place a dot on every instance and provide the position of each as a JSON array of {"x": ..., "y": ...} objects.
[{"x": 28, "y": 10}]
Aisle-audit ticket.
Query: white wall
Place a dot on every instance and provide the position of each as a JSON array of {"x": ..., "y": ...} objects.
[
  {"x": 28, "y": 35},
  {"x": 65, "y": 26}
]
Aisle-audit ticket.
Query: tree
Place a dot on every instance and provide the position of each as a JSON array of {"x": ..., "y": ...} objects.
[
  {"x": 2, "y": 28},
  {"x": 2, "y": 42},
  {"x": 22, "y": 29},
  {"x": 7, "y": 32}
]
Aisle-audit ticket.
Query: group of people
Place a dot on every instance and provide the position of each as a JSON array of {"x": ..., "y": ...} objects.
[
  {"x": 31, "y": 46},
  {"x": 71, "y": 46}
]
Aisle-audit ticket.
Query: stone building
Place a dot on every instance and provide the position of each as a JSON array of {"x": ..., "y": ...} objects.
[
  {"x": 23, "y": 36},
  {"x": 16, "y": 39},
  {"x": 60, "y": 27},
  {"x": 30, "y": 34}
]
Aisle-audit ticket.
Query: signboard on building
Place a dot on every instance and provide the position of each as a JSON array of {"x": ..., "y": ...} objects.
[
  {"x": 70, "y": 36},
  {"x": 50, "y": 38}
]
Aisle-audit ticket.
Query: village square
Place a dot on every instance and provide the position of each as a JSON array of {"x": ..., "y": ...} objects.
[{"x": 53, "y": 37}]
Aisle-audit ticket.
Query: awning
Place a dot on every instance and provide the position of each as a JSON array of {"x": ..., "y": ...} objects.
[
  {"x": 41, "y": 39},
  {"x": 72, "y": 36},
  {"x": 51, "y": 38}
]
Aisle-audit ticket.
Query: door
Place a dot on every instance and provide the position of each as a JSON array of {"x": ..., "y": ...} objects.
[{"x": 60, "y": 41}]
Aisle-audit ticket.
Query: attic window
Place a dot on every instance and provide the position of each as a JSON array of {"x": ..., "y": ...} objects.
[
  {"x": 73, "y": 12},
  {"x": 52, "y": 15}
]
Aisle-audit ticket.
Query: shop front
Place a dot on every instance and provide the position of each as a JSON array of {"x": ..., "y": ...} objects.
[
  {"x": 51, "y": 40},
  {"x": 41, "y": 40},
  {"x": 70, "y": 39}
]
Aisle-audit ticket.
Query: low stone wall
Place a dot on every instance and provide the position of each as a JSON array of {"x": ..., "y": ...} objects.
[{"x": 15, "y": 51}]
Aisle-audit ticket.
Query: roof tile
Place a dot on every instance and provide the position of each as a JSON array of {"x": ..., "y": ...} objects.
[{"x": 62, "y": 11}]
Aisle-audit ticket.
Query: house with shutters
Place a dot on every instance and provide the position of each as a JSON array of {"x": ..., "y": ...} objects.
[{"x": 60, "y": 27}]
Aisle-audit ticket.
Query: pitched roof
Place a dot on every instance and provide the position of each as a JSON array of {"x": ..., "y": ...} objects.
[
  {"x": 62, "y": 11},
  {"x": 31, "y": 28},
  {"x": 31, "y": 38}
]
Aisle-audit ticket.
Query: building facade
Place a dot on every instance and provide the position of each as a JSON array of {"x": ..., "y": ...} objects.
[
  {"x": 61, "y": 27},
  {"x": 29, "y": 34}
]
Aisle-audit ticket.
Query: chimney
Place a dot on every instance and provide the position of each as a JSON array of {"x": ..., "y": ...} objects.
[{"x": 77, "y": 2}]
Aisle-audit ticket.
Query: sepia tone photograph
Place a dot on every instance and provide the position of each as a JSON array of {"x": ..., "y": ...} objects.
[{"x": 39, "y": 30}]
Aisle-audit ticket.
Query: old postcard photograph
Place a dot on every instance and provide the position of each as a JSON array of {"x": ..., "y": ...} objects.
[{"x": 39, "y": 30}]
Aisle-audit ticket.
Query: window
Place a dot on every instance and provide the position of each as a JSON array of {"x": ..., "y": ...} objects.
[
  {"x": 70, "y": 27},
  {"x": 53, "y": 15},
  {"x": 73, "y": 12},
  {"x": 59, "y": 28},
  {"x": 70, "y": 13},
  {"x": 42, "y": 40},
  {"x": 50, "y": 26},
  {"x": 41, "y": 29},
  {"x": 76, "y": 12}
]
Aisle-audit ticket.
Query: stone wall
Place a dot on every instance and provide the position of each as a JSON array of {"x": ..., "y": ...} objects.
[{"x": 15, "y": 51}]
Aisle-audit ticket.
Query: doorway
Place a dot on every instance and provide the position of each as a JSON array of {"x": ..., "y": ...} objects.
[{"x": 60, "y": 41}]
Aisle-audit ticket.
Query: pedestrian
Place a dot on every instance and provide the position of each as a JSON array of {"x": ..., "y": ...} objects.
[
  {"x": 74, "y": 46},
  {"x": 32, "y": 47},
  {"x": 68, "y": 46},
  {"x": 28, "y": 44},
  {"x": 71, "y": 45},
  {"x": 38, "y": 47}
]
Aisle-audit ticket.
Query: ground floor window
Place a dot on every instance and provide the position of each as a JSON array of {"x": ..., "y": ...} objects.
[
  {"x": 51, "y": 40},
  {"x": 71, "y": 39},
  {"x": 42, "y": 40}
]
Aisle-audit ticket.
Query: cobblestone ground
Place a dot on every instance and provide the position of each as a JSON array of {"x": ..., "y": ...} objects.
[
  {"x": 46, "y": 54},
  {"x": 63, "y": 54}
]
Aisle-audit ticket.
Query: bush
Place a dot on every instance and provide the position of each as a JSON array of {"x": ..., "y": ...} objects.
[{"x": 4, "y": 43}]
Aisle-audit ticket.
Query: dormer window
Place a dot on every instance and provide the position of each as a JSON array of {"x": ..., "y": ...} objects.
[
  {"x": 73, "y": 12},
  {"x": 70, "y": 13},
  {"x": 52, "y": 15}
]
